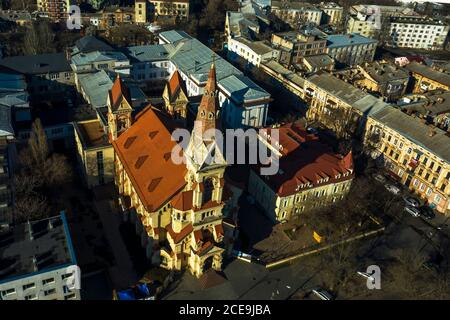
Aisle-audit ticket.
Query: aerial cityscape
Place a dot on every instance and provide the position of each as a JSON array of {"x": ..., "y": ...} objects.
[{"x": 224, "y": 150}]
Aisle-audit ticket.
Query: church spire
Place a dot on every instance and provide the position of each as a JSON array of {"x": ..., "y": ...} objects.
[{"x": 208, "y": 110}]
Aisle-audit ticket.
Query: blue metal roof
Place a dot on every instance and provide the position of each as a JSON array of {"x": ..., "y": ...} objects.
[
  {"x": 344, "y": 40},
  {"x": 242, "y": 89},
  {"x": 173, "y": 36}
]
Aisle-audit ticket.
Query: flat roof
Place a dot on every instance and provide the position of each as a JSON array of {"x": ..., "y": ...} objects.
[
  {"x": 91, "y": 133},
  {"x": 35, "y": 247},
  {"x": 38, "y": 64},
  {"x": 260, "y": 47},
  {"x": 416, "y": 131},
  {"x": 97, "y": 56},
  {"x": 344, "y": 40}
]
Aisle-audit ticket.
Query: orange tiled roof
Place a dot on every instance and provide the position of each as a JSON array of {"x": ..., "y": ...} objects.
[
  {"x": 306, "y": 160},
  {"x": 119, "y": 91},
  {"x": 219, "y": 229},
  {"x": 205, "y": 248},
  {"x": 175, "y": 83},
  {"x": 183, "y": 201},
  {"x": 177, "y": 237},
  {"x": 154, "y": 176}
]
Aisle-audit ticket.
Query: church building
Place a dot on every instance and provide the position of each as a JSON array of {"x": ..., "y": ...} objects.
[{"x": 178, "y": 209}]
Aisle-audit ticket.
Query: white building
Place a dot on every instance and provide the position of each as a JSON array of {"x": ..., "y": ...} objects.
[
  {"x": 296, "y": 13},
  {"x": 240, "y": 98},
  {"x": 418, "y": 33},
  {"x": 332, "y": 13},
  {"x": 39, "y": 263},
  {"x": 255, "y": 52}
]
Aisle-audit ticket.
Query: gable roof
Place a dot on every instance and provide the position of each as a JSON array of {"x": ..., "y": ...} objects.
[
  {"x": 91, "y": 43},
  {"x": 158, "y": 178}
]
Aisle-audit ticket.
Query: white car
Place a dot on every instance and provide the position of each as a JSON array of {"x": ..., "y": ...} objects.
[
  {"x": 412, "y": 211},
  {"x": 392, "y": 189},
  {"x": 322, "y": 294}
]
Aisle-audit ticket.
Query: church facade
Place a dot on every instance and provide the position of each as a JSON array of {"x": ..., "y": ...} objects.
[{"x": 178, "y": 209}]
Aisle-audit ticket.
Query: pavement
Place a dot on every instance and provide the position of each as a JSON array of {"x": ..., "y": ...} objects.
[{"x": 122, "y": 274}]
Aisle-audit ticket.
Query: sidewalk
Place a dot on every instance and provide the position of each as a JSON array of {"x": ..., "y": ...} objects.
[{"x": 122, "y": 274}]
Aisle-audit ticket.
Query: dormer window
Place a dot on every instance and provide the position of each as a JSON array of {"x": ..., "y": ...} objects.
[
  {"x": 210, "y": 115},
  {"x": 203, "y": 113}
]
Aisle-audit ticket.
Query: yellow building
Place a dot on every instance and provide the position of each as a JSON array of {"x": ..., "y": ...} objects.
[
  {"x": 95, "y": 153},
  {"x": 427, "y": 78},
  {"x": 308, "y": 178},
  {"x": 414, "y": 152},
  {"x": 177, "y": 203},
  {"x": 170, "y": 8},
  {"x": 337, "y": 105},
  {"x": 366, "y": 28},
  {"x": 140, "y": 11}
]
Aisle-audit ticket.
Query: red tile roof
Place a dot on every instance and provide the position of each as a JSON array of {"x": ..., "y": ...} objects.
[
  {"x": 155, "y": 179},
  {"x": 175, "y": 83},
  {"x": 119, "y": 91},
  {"x": 183, "y": 201},
  {"x": 177, "y": 237},
  {"x": 208, "y": 245},
  {"x": 305, "y": 160}
]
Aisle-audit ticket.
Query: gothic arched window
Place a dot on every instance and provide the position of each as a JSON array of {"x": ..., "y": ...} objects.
[{"x": 208, "y": 188}]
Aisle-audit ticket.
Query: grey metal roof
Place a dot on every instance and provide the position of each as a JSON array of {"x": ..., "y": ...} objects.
[
  {"x": 242, "y": 89},
  {"x": 98, "y": 56},
  {"x": 38, "y": 64},
  {"x": 345, "y": 40},
  {"x": 416, "y": 131},
  {"x": 336, "y": 87},
  {"x": 50, "y": 247},
  {"x": 154, "y": 52},
  {"x": 96, "y": 86},
  {"x": 194, "y": 58},
  {"x": 91, "y": 43},
  {"x": 285, "y": 73},
  {"x": 260, "y": 47},
  {"x": 364, "y": 102},
  {"x": 430, "y": 73},
  {"x": 173, "y": 36}
]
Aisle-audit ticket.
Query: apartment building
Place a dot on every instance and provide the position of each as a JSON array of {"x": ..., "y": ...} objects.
[
  {"x": 56, "y": 10},
  {"x": 351, "y": 49},
  {"x": 332, "y": 13},
  {"x": 255, "y": 52},
  {"x": 170, "y": 8},
  {"x": 141, "y": 8},
  {"x": 418, "y": 33},
  {"x": 371, "y": 20},
  {"x": 38, "y": 261},
  {"x": 296, "y": 13},
  {"x": 294, "y": 46},
  {"x": 338, "y": 105},
  {"x": 427, "y": 78},
  {"x": 415, "y": 152},
  {"x": 381, "y": 78},
  {"x": 310, "y": 174}
]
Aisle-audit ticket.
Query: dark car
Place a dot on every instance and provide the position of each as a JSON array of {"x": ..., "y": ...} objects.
[{"x": 427, "y": 212}]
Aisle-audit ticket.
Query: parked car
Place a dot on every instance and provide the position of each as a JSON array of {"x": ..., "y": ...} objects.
[
  {"x": 412, "y": 211},
  {"x": 410, "y": 201},
  {"x": 379, "y": 178},
  {"x": 427, "y": 212},
  {"x": 392, "y": 189},
  {"x": 322, "y": 294}
]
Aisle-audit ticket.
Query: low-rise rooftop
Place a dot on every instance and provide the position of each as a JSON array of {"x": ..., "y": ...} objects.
[
  {"x": 38, "y": 64},
  {"x": 91, "y": 134},
  {"x": 345, "y": 40},
  {"x": 429, "y": 73},
  {"x": 35, "y": 247}
]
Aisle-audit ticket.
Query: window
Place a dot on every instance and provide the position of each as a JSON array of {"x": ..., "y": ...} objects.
[
  {"x": 49, "y": 292},
  {"x": 8, "y": 292},
  {"x": 30, "y": 297},
  {"x": 66, "y": 275},
  {"x": 28, "y": 286},
  {"x": 69, "y": 296},
  {"x": 437, "y": 198},
  {"x": 48, "y": 281}
]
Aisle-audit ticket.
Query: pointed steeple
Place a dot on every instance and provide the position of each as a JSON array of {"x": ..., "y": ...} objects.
[{"x": 208, "y": 110}]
